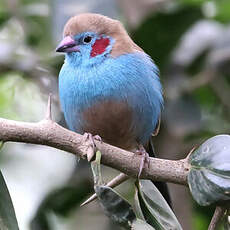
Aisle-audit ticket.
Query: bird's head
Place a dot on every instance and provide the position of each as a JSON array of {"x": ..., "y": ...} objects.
[{"x": 90, "y": 38}]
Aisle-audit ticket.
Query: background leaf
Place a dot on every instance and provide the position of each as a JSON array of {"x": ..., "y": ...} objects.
[
  {"x": 8, "y": 219},
  {"x": 114, "y": 205},
  {"x": 226, "y": 223},
  {"x": 209, "y": 176},
  {"x": 154, "y": 207},
  {"x": 141, "y": 225},
  {"x": 158, "y": 36}
]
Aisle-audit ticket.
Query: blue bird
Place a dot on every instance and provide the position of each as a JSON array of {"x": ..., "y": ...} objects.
[{"x": 108, "y": 85}]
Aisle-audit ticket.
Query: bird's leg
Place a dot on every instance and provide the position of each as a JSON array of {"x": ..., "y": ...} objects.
[
  {"x": 144, "y": 158},
  {"x": 89, "y": 139}
]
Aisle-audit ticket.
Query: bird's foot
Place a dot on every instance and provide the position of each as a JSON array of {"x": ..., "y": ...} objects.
[
  {"x": 89, "y": 139},
  {"x": 144, "y": 158},
  {"x": 97, "y": 138}
]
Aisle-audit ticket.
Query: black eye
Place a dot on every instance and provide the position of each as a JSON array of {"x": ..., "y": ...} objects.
[{"x": 87, "y": 39}]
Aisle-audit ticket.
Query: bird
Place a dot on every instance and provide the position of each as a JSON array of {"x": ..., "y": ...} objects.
[{"x": 108, "y": 86}]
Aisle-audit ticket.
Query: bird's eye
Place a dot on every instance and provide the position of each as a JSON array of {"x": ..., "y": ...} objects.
[{"x": 87, "y": 39}]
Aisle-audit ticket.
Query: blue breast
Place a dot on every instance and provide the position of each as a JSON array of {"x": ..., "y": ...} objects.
[{"x": 130, "y": 78}]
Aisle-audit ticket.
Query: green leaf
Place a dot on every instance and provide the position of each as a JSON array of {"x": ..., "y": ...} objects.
[
  {"x": 96, "y": 169},
  {"x": 154, "y": 207},
  {"x": 141, "y": 225},
  {"x": 137, "y": 206},
  {"x": 4, "y": 14},
  {"x": 8, "y": 219},
  {"x": 226, "y": 223},
  {"x": 209, "y": 176},
  {"x": 1, "y": 144},
  {"x": 114, "y": 205},
  {"x": 223, "y": 10},
  {"x": 193, "y": 2}
]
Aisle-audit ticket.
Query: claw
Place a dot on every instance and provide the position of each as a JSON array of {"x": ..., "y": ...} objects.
[
  {"x": 97, "y": 138},
  {"x": 90, "y": 140},
  {"x": 144, "y": 158}
]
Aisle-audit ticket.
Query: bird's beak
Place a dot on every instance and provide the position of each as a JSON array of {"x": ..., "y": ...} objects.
[{"x": 68, "y": 45}]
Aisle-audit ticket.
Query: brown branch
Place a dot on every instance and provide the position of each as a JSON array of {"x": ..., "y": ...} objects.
[
  {"x": 47, "y": 132},
  {"x": 217, "y": 216}
]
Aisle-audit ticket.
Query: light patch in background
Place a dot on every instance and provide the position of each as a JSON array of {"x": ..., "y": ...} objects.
[
  {"x": 204, "y": 31},
  {"x": 31, "y": 172},
  {"x": 62, "y": 10},
  {"x": 209, "y": 9}
]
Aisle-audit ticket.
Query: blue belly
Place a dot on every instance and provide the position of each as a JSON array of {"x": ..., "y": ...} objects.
[{"x": 130, "y": 79}]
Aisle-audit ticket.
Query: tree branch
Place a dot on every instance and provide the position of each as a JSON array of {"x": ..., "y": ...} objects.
[{"x": 47, "y": 132}]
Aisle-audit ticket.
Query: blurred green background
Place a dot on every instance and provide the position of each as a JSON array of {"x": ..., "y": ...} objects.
[{"x": 190, "y": 42}]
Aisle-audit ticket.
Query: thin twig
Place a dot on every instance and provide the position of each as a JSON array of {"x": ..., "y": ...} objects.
[
  {"x": 217, "y": 216},
  {"x": 113, "y": 183}
]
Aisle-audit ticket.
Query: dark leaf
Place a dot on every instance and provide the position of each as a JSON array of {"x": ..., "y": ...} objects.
[
  {"x": 8, "y": 219},
  {"x": 115, "y": 206},
  {"x": 226, "y": 223},
  {"x": 137, "y": 206},
  {"x": 154, "y": 207},
  {"x": 209, "y": 176}
]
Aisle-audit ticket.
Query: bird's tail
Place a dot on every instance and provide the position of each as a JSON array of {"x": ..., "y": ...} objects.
[{"x": 161, "y": 186}]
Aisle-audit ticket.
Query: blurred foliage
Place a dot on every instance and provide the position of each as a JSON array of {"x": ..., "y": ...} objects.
[
  {"x": 14, "y": 87},
  {"x": 159, "y": 35},
  {"x": 60, "y": 202},
  {"x": 8, "y": 219},
  {"x": 193, "y": 58}
]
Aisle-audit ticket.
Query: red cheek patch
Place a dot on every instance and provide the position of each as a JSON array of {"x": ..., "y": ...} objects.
[{"x": 99, "y": 46}]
